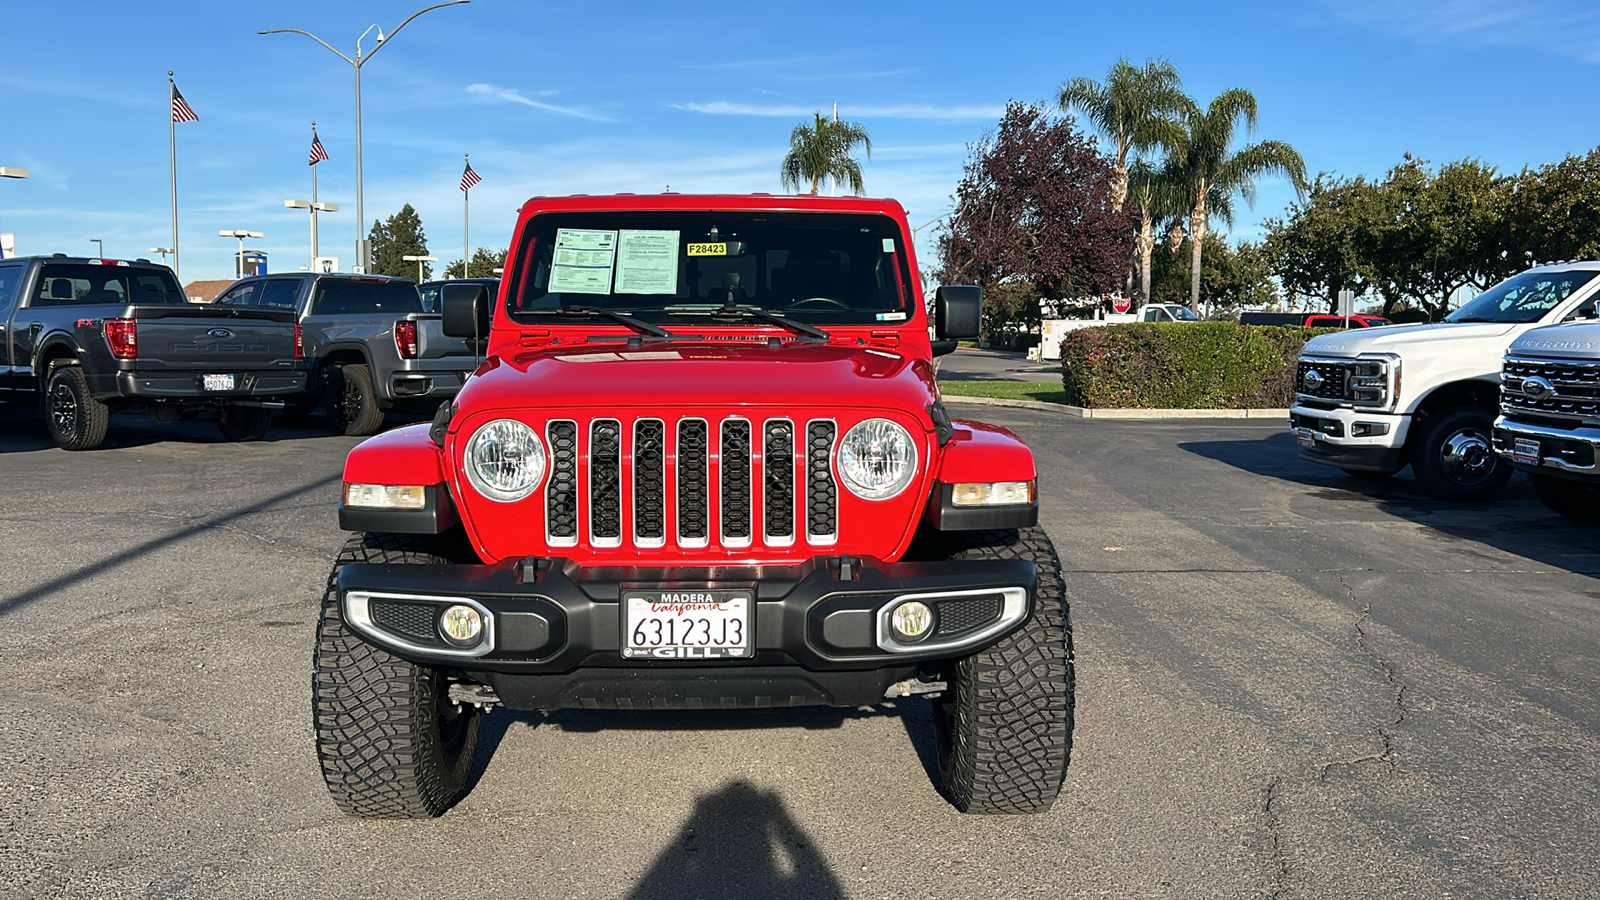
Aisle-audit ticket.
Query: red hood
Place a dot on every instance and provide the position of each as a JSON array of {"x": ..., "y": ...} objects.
[{"x": 703, "y": 373}]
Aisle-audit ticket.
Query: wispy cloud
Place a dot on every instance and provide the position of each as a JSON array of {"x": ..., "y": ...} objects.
[
  {"x": 490, "y": 93},
  {"x": 901, "y": 111},
  {"x": 1569, "y": 28}
]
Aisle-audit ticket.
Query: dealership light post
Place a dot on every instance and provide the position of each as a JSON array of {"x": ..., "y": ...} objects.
[
  {"x": 419, "y": 260},
  {"x": 241, "y": 234},
  {"x": 163, "y": 251},
  {"x": 315, "y": 208},
  {"x": 12, "y": 172},
  {"x": 99, "y": 248},
  {"x": 362, "y": 248}
]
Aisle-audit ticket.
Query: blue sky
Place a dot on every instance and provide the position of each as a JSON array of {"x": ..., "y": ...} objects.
[{"x": 555, "y": 98}]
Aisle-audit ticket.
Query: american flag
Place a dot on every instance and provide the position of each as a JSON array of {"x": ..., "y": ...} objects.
[
  {"x": 469, "y": 178},
  {"x": 181, "y": 111},
  {"x": 318, "y": 152}
]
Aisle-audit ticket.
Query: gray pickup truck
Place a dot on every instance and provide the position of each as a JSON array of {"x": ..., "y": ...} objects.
[
  {"x": 370, "y": 346},
  {"x": 92, "y": 337}
]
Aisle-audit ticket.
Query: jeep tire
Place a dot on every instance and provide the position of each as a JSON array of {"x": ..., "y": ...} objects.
[
  {"x": 1453, "y": 457},
  {"x": 1003, "y": 728},
  {"x": 76, "y": 420},
  {"x": 243, "y": 423},
  {"x": 352, "y": 400},
  {"x": 391, "y": 743}
]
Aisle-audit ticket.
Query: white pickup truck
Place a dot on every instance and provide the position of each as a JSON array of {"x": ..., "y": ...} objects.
[{"x": 1373, "y": 401}]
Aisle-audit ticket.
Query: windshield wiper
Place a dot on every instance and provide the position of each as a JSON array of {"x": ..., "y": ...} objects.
[
  {"x": 750, "y": 312},
  {"x": 590, "y": 312}
]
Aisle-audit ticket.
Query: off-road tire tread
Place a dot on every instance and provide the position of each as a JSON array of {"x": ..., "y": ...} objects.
[
  {"x": 94, "y": 417},
  {"x": 370, "y": 417},
  {"x": 1010, "y": 729},
  {"x": 239, "y": 424},
  {"x": 373, "y": 712}
]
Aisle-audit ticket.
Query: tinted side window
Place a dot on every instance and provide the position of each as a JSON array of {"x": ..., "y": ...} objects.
[
  {"x": 280, "y": 293},
  {"x": 245, "y": 294},
  {"x": 9, "y": 276}
]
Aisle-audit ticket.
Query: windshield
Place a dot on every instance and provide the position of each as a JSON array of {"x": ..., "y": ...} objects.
[
  {"x": 1184, "y": 313},
  {"x": 88, "y": 284},
  {"x": 664, "y": 266},
  {"x": 1522, "y": 298}
]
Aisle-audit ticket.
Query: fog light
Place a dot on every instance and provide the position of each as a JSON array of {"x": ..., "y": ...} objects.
[
  {"x": 461, "y": 625},
  {"x": 912, "y": 620}
]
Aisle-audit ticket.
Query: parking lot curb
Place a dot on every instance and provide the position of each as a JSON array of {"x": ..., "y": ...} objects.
[{"x": 1083, "y": 412}]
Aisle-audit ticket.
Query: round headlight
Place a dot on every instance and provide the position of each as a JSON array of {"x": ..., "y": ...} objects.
[
  {"x": 877, "y": 459},
  {"x": 505, "y": 460}
]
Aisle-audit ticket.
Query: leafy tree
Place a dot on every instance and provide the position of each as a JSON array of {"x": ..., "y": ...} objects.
[
  {"x": 1212, "y": 173},
  {"x": 1135, "y": 109},
  {"x": 483, "y": 264},
  {"x": 401, "y": 235},
  {"x": 1156, "y": 198},
  {"x": 1034, "y": 206},
  {"x": 1229, "y": 277},
  {"x": 1316, "y": 250},
  {"x": 1555, "y": 212},
  {"x": 825, "y": 149}
]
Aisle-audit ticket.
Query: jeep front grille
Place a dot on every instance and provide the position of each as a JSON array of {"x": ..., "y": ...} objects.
[{"x": 690, "y": 482}]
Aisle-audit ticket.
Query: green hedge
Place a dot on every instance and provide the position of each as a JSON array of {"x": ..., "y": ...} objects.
[{"x": 1207, "y": 365}]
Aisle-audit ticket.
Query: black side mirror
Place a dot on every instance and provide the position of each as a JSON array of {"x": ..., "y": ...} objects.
[
  {"x": 958, "y": 312},
  {"x": 465, "y": 309}
]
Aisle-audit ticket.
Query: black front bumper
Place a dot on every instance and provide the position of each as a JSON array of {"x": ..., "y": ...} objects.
[{"x": 556, "y": 635}]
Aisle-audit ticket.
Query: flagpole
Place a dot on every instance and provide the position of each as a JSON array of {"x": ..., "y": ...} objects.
[
  {"x": 466, "y": 222},
  {"x": 313, "y": 201},
  {"x": 172, "y": 141}
]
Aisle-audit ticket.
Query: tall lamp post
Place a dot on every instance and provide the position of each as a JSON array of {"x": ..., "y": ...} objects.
[
  {"x": 163, "y": 251},
  {"x": 241, "y": 234},
  {"x": 362, "y": 249},
  {"x": 419, "y": 260},
  {"x": 315, "y": 208},
  {"x": 99, "y": 248}
]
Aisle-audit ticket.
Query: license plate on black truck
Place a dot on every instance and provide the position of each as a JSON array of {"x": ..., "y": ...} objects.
[{"x": 689, "y": 624}]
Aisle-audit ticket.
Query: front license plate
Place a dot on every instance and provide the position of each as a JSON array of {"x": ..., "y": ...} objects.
[
  {"x": 1306, "y": 437},
  {"x": 686, "y": 625},
  {"x": 1526, "y": 450},
  {"x": 216, "y": 382}
]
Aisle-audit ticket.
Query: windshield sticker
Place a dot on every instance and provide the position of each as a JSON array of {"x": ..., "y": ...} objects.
[
  {"x": 582, "y": 261},
  {"x": 708, "y": 249},
  {"x": 891, "y": 317},
  {"x": 888, "y": 245},
  {"x": 647, "y": 262}
]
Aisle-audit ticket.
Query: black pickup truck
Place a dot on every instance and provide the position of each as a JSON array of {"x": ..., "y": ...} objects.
[{"x": 92, "y": 337}]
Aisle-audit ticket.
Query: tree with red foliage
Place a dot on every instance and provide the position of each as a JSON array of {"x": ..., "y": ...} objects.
[{"x": 1036, "y": 206}]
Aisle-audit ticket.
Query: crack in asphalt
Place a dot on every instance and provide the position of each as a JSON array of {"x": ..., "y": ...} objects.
[
  {"x": 1280, "y": 863},
  {"x": 1385, "y": 752}
]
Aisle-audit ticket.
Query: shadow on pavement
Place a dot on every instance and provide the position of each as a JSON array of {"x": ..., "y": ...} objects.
[
  {"x": 22, "y": 430},
  {"x": 739, "y": 842},
  {"x": 1514, "y": 522}
]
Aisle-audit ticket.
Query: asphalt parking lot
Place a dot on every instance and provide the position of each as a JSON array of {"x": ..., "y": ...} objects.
[{"x": 1290, "y": 684}]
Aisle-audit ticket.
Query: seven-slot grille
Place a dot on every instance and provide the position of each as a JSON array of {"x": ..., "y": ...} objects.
[
  {"x": 660, "y": 473},
  {"x": 1576, "y": 393}
]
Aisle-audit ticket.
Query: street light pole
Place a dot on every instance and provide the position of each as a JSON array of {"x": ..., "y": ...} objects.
[
  {"x": 362, "y": 250},
  {"x": 99, "y": 248},
  {"x": 315, "y": 208},
  {"x": 163, "y": 251},
  {"x": 241, "y": 234},
  {"x": 11, "y": 172},
  {"x": 419, "y": 260}
]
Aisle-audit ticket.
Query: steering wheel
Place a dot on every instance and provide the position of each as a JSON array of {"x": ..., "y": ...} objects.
[{"x": 820, "y": 301}]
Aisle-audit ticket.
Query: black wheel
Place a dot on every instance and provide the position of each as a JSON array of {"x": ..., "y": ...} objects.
[
  {"x": 352, "y": 401},
  {"x": 391, "y": 744},
  {"x": 1572, "y": 499},
  {"x": 1366, "y": 474},
  {"x": 1003, "y": 729},
  {"x": 243, "y": 423},
  {"x": 1453, "y": 458},
  {"x": 76, "y": 420}
]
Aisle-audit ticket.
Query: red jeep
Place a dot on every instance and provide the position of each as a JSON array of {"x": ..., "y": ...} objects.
[{"x": 703, "y": 465}]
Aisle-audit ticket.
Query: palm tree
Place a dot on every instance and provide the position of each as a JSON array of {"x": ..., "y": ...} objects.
[
  {"x": 1210, "y": 175},
  {"x": 825, "y": 149},
  {"x": 1135, "y": 109},
  {"x": 1158, "y": 197}
]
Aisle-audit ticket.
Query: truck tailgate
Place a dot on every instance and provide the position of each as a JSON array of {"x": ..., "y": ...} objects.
[
  {"x": 213, "y": 338},
  {"x": 432, "y": 343}
]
